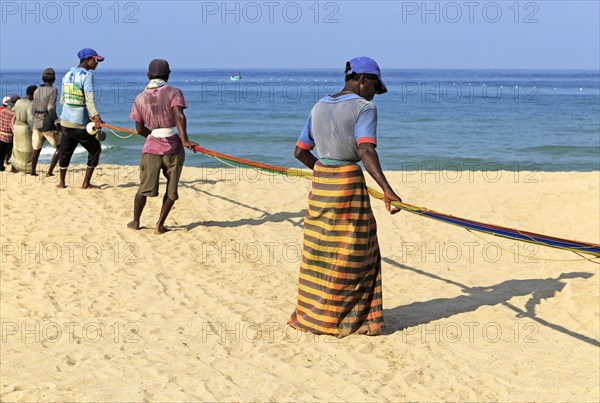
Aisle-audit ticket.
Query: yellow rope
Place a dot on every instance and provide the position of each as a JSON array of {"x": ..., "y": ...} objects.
[{"x": 119, "y": 136}]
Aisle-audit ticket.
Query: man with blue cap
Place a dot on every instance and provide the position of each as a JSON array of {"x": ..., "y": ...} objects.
[
  {"x": 339, "y": 287},
  {"x": 79, "y": 107}
]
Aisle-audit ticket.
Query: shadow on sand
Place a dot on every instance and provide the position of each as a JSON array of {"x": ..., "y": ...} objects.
[{"x": 420, "y": 313}]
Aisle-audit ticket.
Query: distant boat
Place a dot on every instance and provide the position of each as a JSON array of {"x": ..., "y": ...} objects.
[{"x": 237, "y": 77}]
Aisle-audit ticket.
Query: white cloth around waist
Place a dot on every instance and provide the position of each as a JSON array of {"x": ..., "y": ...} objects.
[{"x": 163, "y": 132}]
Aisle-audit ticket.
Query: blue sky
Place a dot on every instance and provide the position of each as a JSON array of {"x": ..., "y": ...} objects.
[{"x": 303, "y": 34}]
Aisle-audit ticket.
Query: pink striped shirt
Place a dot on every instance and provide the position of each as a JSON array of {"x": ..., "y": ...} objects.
[{"x": 154, "y": 108}]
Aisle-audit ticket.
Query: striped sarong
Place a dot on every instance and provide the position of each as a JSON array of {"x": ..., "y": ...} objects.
[
  {"x": 22, "y": 147},
  {"x": 339, "y": 290}
]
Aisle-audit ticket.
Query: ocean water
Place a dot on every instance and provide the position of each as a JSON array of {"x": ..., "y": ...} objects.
[{"x": 430, "y": 119}]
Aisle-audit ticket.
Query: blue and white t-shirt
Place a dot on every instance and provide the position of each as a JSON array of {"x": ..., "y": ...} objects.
[
  {"x": 77, "y": 86},
  {"x": 336, "y": 126}
]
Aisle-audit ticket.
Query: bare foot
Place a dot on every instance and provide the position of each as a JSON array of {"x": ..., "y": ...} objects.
[
  {"x": 49, "y": 174},
  {"x": 34, "y": 174},
  {"x": 90, "y": 186},
  {"x": 159, "y": 230},
  {"x": 61, "y": 186},
  {"x": 133, "y": 225}
]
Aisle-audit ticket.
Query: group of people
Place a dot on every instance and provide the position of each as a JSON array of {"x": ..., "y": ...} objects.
[
  {"x": 26, "y": 123},
  {"x": 339, "y": 291}
]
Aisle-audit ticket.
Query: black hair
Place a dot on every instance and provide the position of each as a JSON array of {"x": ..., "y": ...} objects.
[
  {"x": 356, "y": 76},
  {"x": 351, "y": 76},
  {"x": 48, "y": 80},
  {"x": 164, "y": 77},
  {"x": 31, "y": 89}
]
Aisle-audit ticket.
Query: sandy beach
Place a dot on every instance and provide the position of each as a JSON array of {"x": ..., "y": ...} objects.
[{"x": 93, "y": 311}]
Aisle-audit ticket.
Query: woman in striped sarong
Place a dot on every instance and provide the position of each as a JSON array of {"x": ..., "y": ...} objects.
[{"x": 339, "y": 290}]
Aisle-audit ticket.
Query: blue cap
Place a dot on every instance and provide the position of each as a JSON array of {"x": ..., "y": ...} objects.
[
  {"x": 367, "y": 65},
  {"x": 87, "y": 52}
]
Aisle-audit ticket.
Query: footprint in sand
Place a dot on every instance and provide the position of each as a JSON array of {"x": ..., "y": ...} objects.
[
  {"x": 414, "y": 377},
  {"x": 368, "y": 349}
]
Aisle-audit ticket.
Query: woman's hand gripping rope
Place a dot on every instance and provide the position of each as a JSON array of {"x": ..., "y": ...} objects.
[{"x": 388, "y": 197}]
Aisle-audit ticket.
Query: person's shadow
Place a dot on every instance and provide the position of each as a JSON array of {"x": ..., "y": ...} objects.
[
  {"x": 420, "y": 313},
  {"x": 293, "y": 218}
]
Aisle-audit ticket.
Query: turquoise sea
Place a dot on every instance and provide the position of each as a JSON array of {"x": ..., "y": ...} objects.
[{"x": 542, "y": 120}]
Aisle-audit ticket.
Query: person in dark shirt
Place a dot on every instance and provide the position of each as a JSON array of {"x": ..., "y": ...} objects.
[{"x": 44, "y": 127}]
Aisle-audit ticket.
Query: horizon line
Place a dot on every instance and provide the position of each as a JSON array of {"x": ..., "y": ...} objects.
[{"x": 597, "y": 69}]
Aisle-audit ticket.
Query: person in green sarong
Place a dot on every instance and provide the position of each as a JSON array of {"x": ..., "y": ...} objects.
[{"x": 23, "y": 129}]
